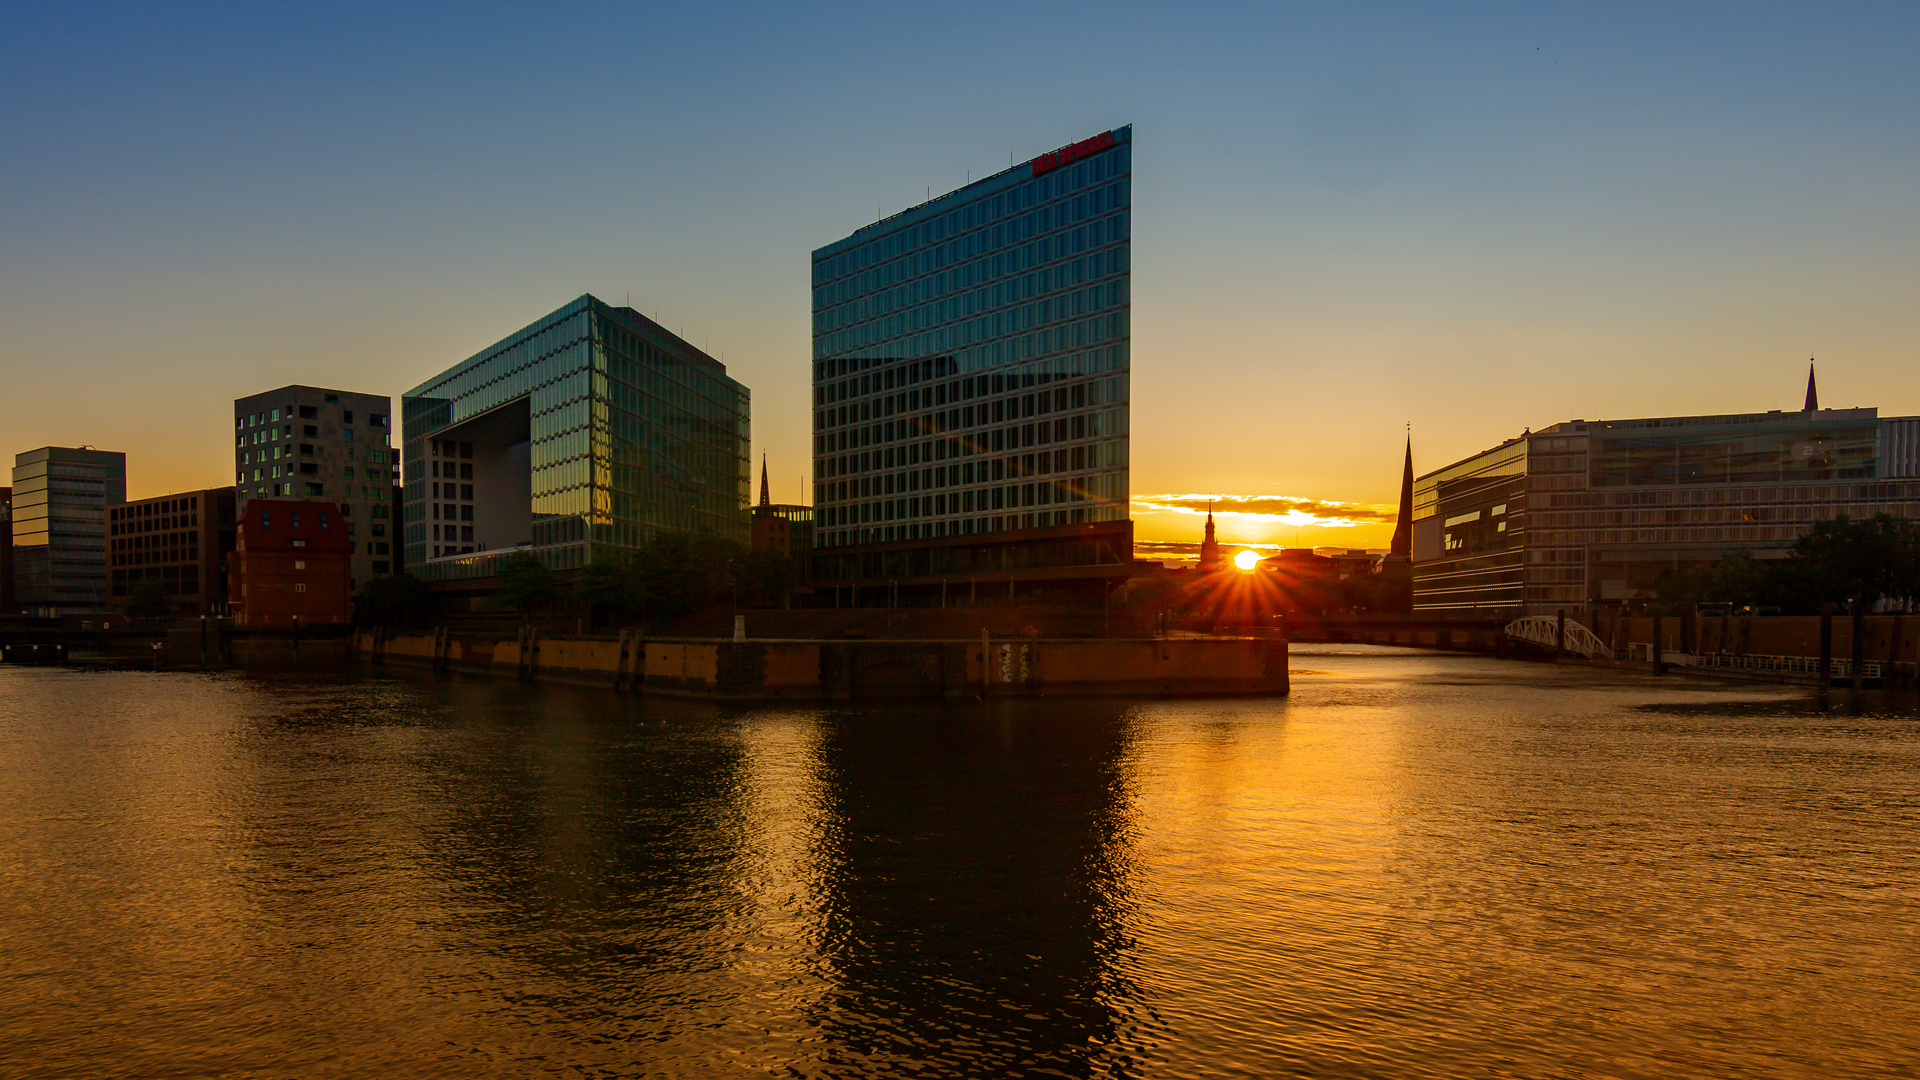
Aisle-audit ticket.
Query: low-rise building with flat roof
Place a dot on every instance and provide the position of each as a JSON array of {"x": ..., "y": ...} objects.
[{"x": 180, "y": 540}]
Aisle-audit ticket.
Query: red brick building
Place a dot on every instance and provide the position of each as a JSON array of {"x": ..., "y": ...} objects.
[{"x": 292, "y": 559}]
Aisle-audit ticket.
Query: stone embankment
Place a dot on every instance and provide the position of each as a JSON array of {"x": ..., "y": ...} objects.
[{"x": 770, "y": 669}]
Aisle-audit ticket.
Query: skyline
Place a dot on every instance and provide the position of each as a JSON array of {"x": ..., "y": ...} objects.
[{"x": 1475, "y": 224}]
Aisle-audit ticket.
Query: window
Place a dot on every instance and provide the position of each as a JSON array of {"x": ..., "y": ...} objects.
[
  {"x": 295, "y": 515},
  {"x": 299, "y": 564},
  {"x": 308, "y": 412},
  {"x": 300, "y": 586},
  {"x": 333, "y": 399},
  {"x": 346, "y": 416},
  {"x": 316, "y": 489},
  {"x": 311, "y": 431},
  {"x": 299, "y": 543},
  {"x": 347, "y": 434}
]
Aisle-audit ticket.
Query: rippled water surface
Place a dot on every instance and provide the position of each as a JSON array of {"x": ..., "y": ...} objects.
[{"x": 1415, "y": 866}]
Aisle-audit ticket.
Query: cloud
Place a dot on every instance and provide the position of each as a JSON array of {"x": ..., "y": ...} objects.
[{"x": 1280, "y": 509}]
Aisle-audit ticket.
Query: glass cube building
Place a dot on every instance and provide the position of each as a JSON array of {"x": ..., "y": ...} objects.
[
  {"x": 970, "y": 365},
  {"x": 61, "y": 496},
  {"x": 591, "y": 428}
]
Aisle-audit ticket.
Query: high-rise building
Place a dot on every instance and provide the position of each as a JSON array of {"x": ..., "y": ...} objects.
[
  {"x": 970, "y": 363},
  {"x": 181, "y": 541},
  {"x": 1595, "y": 512},
  {"x": 60, "y": 500},
  {"x": 310, "y": 443},
  {"x": 590, "y": 428},
  {"x": 783, "y": 527}
]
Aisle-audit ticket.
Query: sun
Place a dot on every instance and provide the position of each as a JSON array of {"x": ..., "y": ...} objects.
[{"x": 1247, "y": 559}]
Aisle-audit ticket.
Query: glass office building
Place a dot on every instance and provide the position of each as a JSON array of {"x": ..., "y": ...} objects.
[
  {"x": 60, "y": 499},
  {"x": 590, "y": 428},
  {"x": 1593, "y": 513},
  {"x": 970, "y": 364}
]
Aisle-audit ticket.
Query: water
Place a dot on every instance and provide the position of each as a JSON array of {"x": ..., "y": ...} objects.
[{"x": 1416, "y": 866}]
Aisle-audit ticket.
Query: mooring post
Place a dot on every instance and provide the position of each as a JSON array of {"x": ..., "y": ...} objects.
[
  {"x": 1858, "y": 632},
  {"x": 1890, "y": 678},
  {"x": 1826, "y": 645}
]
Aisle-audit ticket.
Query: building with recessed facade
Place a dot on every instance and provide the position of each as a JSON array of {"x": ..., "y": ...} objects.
[
  {"x": 311, "y": 443},
  {"x": 970, "y": 382},
  {"x": 589, "y": 429},
  {"x": 61, "y": 495},
  {"x": 1592, "y": 513}
]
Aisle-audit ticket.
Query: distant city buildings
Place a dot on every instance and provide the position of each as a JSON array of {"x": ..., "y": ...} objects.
[
  {"x": 60, "y": 500},
  {"x": 1595, "y": 512},
  {"x": 8, "y": 605},
  {"x": 970, "y": 380},
  {"x": 311, "y": 443},
  {"x": 291, "y": 565},
  {"x": 591, "y": 428},
  {"x": 783, "y": 527},
  {"x": 180, "y": 540}
]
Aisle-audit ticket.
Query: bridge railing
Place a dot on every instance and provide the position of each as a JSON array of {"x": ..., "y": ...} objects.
[{"x": 1540, "y": 630}]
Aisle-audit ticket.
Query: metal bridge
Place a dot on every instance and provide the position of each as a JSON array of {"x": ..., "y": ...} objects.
[{"x": 1540, "y": 629}]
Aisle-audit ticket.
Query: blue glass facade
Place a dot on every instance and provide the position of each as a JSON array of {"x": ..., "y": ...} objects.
[
  {"x": 970, "y": 360},
  {"x": 592, "y": 427}
]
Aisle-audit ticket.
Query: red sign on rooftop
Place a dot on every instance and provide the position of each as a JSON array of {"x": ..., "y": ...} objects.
[{"x": 1067, "y": 155}]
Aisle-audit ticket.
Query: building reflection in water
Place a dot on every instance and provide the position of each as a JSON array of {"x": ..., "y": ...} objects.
[{"x": 971, "y": 874}]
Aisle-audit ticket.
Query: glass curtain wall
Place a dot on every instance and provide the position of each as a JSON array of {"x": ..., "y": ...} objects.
[
  {"x": 970, "y": 356},
  {"x": 630, "y": 430}
]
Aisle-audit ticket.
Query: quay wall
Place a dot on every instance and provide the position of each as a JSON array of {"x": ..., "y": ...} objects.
[{"x": 844, "y": 669}]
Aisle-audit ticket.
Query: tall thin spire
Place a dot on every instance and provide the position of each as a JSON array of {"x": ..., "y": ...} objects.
[
  {"x": 1402, "y": 547},
  {"x": 765, "y": 498},
  {"x": 1813, "y": 396},
  {"x": 1209, "y": 547}
]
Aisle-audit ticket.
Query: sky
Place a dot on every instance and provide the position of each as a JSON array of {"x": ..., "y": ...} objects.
[{"x": 1349, "y": 220}]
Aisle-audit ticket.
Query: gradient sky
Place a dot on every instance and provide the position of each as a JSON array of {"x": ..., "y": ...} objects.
[{"x": 1345, "y": 220}]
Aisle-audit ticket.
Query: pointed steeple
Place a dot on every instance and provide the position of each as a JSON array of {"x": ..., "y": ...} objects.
[
  {"x": 1402, "y": 548},
  {"x": 1209, "y": 547},
  {"x": 765, "y": 498},
  {"x": 1813, "y": 396}
]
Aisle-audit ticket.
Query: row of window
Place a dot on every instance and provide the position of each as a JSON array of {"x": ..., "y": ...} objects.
[
  {"x": 934, "y": 530},
  {"x": 306, "y": 412}
]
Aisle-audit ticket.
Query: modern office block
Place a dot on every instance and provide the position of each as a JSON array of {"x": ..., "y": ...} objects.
[
  {"x": 1594, "y": 513},
  {"x": 291, "y": 565},
  {"x": 60, "y": 500},
  {"x": 970, "y": 365},
  {"x": 180, "y": 540},
  {"x": 311, "y": 443},
  {"x": 590, "y": 428}
]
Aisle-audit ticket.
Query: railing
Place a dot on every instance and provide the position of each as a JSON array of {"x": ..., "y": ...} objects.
[
  {"x": 1540, "y": 630},
  {"x": 1784, "y": 665}
]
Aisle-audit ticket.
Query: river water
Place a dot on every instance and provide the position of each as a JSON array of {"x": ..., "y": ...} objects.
[{"x": 1417, "y": 865}]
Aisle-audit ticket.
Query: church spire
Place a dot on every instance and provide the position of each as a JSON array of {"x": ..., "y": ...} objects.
[
  {"x": 1813, "y": 396},
  {"x": 1402, "y": 547},
  {"x": 765, "y": 499},
  {"x": 1209, "y": 547}
]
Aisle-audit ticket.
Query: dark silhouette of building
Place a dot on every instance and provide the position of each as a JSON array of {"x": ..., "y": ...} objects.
[
  {"x": 1209, "y": 546},
  {"x": 181, "y": 541},
  {"x": 6, "y": 551},
  {"x": 784, "y": 527},
  {"x": 290, "y": 565},
  {"x": 1397, "y": 566},
  {"x": 1813, "y": 395}
]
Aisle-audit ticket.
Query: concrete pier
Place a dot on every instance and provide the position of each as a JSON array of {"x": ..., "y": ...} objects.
[{"x": 771, "y": 669}]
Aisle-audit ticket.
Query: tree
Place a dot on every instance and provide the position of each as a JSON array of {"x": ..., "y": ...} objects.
[
  {"x": 610, "y": 585},
  {"x": 525, "y": 582},
  {"x": 147, "y": 599},
  {"x": 1855, "y": 562},
  {"x": 392, "y": 600}
]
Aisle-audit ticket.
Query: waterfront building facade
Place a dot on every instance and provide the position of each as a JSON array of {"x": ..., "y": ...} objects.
[
  {"x": 591, "y": 428},
  {"x": 970, "y": 382},
  {"x": 180, "y": 540},
  {"x": 310, "y": 443},
  {"x": 291, "y": 565},
  {"x": 60, "y": 499},
  {"x": 1591, "y": 514},
  {"x": 8, "y": 605}
]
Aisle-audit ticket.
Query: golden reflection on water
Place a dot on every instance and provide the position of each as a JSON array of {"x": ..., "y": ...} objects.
[{"x": 1416, "y": 865}]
